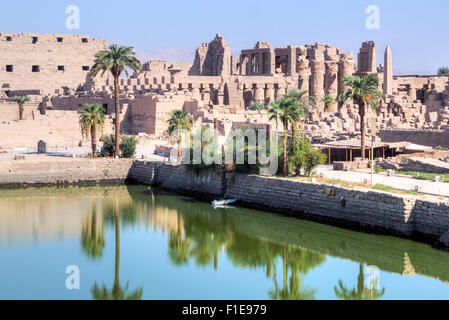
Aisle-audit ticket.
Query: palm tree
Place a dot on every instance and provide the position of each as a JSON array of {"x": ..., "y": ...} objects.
[
  {"x": 328, "y": 102},
  {"x": 180, "y": 121},
  {"x": 359, "y": 293},
  {"x": 275, "y": 112},
  {"x": 257, "y": 106},
  {"x": 116, "y": 60},
  {"x": 443, "y": 71},
  {"x": 291, "y": 107},
  {"x": 118, "y": 292},
  {"x": 281, "y": 109},
  {"x": 21, "y": 100},
  {"x": 92, "y": 241},
  {"x": 363, "y": 91},
  {"x": 301, "y": 109},
  {"x": 92, "y": 121}
]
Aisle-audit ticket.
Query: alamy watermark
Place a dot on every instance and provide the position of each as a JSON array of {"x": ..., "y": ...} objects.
[
  {"x": 241, "y": 146},
  {"x": 73, "y": 20},
  {"x": 373, "y": 20},
  {"x": 72, "y": 282}
]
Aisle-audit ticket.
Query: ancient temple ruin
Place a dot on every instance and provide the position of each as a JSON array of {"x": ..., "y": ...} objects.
[{"x": 217, "y": 88}]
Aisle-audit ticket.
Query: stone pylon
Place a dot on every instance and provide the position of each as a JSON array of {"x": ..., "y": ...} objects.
[{"x": 388, "y": 72}]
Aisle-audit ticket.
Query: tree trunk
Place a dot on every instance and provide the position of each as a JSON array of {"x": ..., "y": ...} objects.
[
  {"x": 285, "y": 270},
  {"x": 285, "y": 123},
  {"x": 20, "y": 112},
  {"x": 93, "y": 134},
  {"x": 362, "y": 128},
  {"x": 180, "y": 149},
  {"x": 117, "y": 245},
  {"x": 117, "y": 117}
]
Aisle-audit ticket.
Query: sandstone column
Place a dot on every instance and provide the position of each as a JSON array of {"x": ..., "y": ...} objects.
[
  {"x": 304, "y": 73},
  {"x": 259, "y": 94},
  {"x": 291, "y": 60},
  {"x": 331, "y": 79},
  {"x": 388, "y": 72},
  {"x": 272, "y": 58},
  {"x": 345, "y": 69},
  {"x": 317, "y": 78},
  {"x": 270, "y": 93}
]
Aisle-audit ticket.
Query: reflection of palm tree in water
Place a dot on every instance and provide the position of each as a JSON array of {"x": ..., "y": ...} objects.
[
  {"x": 202, "y": 241},
  {"x": 359, "y": 293},
  {"x": 117, "y": 292},
  {"x": 92, "y": 240},
  {"x": 300, "y": 263},
  {"x": 178, "y": 245}
]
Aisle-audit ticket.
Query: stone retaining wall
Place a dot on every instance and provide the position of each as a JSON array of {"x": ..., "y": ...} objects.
[
  {"x": 43, "y": 171},
  {"x": 177, "y": 178},
  {"x": 404, "y": 215}
]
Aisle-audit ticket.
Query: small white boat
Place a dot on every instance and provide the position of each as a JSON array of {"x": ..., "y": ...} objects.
[{"x": 219, "y": 203}]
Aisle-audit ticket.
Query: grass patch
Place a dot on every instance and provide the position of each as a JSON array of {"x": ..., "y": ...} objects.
[
  {"x": 382, "y": 187},
  {"x": 424, "y": 175}
]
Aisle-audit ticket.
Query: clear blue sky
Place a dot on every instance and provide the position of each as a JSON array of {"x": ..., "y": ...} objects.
[{"x": 417, "y": 31}]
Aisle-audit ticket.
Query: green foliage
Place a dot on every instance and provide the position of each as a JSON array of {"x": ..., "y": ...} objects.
[
  {"x": 443, "y": 71},
  {"x": 292, "y": 108},
  {"x": 128, "y": 147},
  {"x": 438, "y": 148},
  {"x": 116, "y": 60},
  {"x": 207, "y": 140},
  {"x": 385, "y": 188},
  {"x": 108, "y": 146},
  {"x": 328, "y": 102},
  {"x": 378, "y": 169},
  {"x": 92, "y": 119},
  {"x": 424, "y": 175},
  {"x": 21, "y": 100},
  {"x": 257, "y": 106},
  {"x": 302, "y": 155},
  {"x": 180, "y": 120},
  {"x": 364, "y": 91}
]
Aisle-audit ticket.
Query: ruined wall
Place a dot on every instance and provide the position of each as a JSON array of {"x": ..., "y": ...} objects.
[
  {"x": 57, "y": 128},
  {"x": 213, "y": 59},
  {"x": 20, "y": 53},
  {"x": 431, "y": 138}
]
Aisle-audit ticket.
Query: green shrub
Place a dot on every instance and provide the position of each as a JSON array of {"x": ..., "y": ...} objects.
[
  {"x": 207, "y": 140},
  {"x": 378, "y": 169},
  {"x": 438, "y": 148},
  {"x": 302, "y": 155},
  {"x": 128, "y": 146},
  {"x": 108, "y": 146}
]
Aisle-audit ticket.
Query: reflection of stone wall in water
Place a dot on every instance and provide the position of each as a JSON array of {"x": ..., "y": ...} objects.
[{"x": 32, "y": 214}]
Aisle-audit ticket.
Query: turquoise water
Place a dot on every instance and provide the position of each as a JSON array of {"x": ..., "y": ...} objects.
[{"x": 128, "y": 243}]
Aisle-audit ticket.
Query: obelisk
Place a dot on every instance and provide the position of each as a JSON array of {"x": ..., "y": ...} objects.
[{"x": 388, "y": 72}]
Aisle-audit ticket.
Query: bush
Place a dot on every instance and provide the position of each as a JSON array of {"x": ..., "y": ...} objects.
[
  {"x": 438, "y": 148},
  {"x": 378, "y": 169},
  {"x": 128, "y": 146},
  {"x": 302, "y": 155},
  {"x": 207, "y": 140},
  {"x": 108, "y": 146}
]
